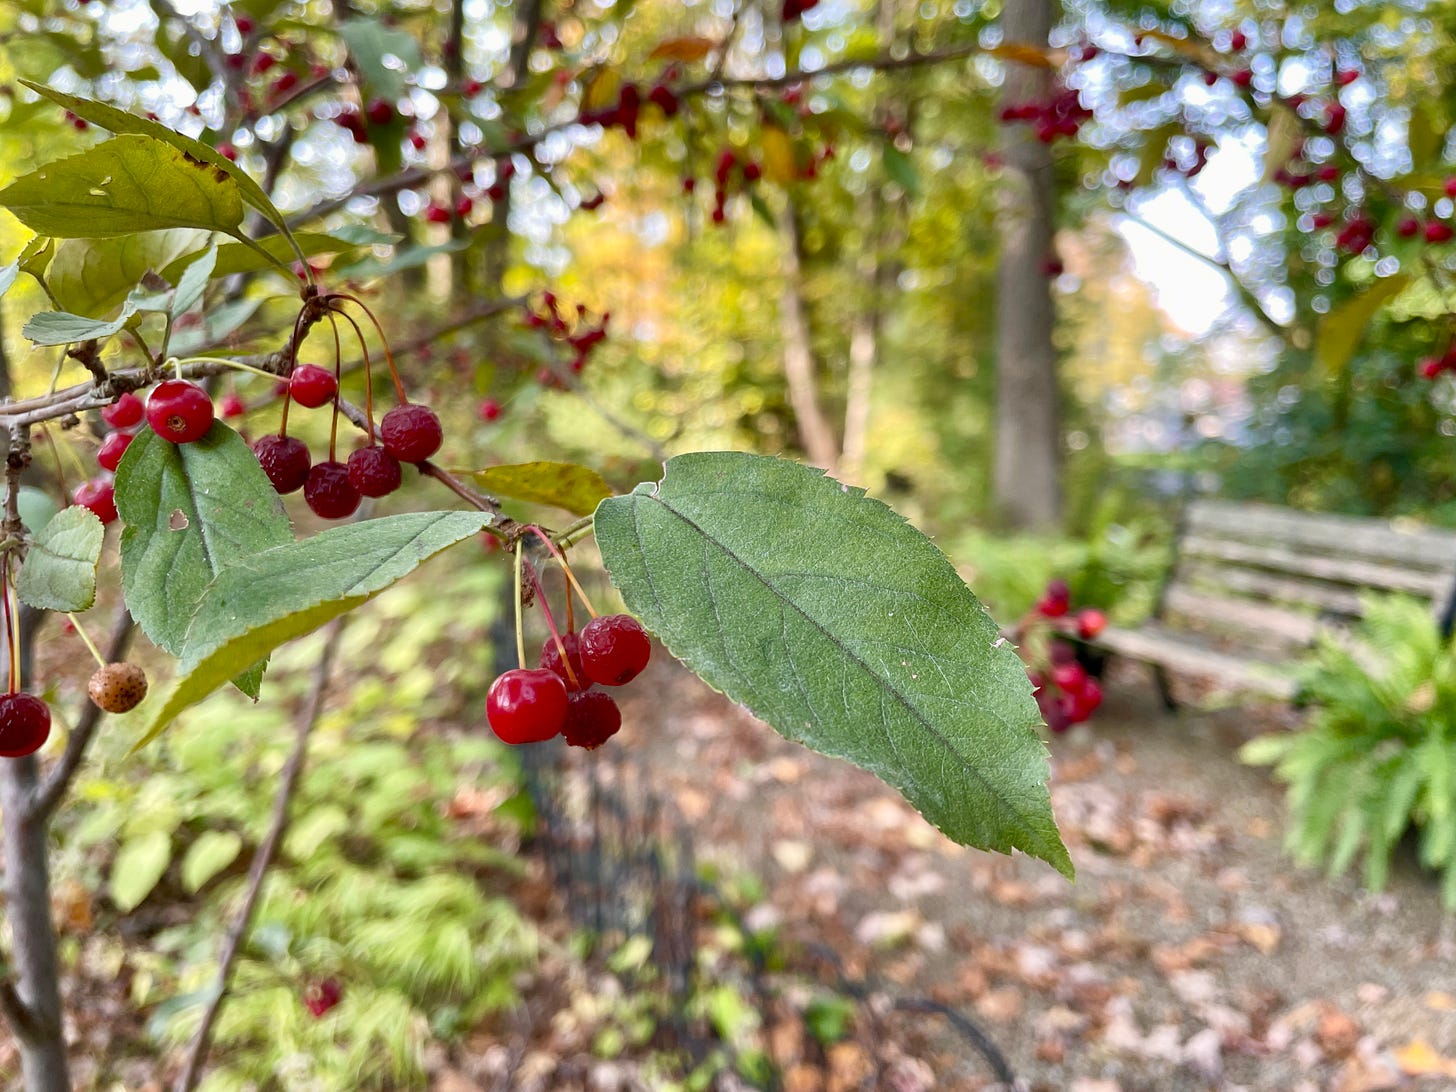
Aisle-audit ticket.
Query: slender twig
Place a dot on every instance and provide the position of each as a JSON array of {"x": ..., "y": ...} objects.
[
  {"x": 51, "y": 791},
  {"x": 258, "y": 872}
]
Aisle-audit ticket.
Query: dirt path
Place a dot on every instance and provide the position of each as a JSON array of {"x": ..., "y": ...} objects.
[{"x": 1189, "y": 954}]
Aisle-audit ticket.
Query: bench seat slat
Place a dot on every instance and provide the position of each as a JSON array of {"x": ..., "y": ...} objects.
[
  {"x": 1263, "y": 623},
  {"x": 1179, "y": 652}
]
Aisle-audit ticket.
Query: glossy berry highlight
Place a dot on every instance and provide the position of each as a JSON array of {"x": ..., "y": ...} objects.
[
  {"x": 614, "y": 649},
  {"x": 285, "y": 460},
  {"x": 25, "y": 724},
  {"x": 99, "y": 495},
  {"x": 312, "y": 386},
  {"x": 411, "y": 432},
  {"x": 112, "y": 449},
  {"x": 329, "y": 492},
  {"x": 125, "y": 412},
  {"x": 526, "y": 705},
  {"x": 179, "y": 411}
]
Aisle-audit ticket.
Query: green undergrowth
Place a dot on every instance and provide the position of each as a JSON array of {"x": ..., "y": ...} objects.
[
  {"x": 1117, "y": 565},
  {"x": 383, "y": 886},
  {"x": 1376, "y": 760}
]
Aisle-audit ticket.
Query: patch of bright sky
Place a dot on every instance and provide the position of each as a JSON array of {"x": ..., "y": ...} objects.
[{"x": 1194, "y": 294}]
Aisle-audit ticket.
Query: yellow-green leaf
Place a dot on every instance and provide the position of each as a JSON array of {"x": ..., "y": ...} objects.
[
  {"x": 1341, "y": 331},
  {"x": 578, "y": 489},
  {"x": 129, "y": 184}
]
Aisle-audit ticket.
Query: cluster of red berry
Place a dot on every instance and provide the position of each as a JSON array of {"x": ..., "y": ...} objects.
[
  {"x": 1060, "y": 115},
  {"x": 1065, "y": 693},
  {"x": 531, "y": 705},
  {"x": 408, "y": 433},
  {"x": 578, "y": 332}
]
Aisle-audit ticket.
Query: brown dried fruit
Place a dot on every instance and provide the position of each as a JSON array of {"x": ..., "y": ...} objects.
[{"x": 118, "y": 688}]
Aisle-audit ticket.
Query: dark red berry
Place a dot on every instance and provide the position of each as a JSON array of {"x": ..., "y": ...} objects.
[
  {"x": 527, "y": 705},
  {"x": 380, "y": 112},
  {"x": 312, "y": 386},
  {"x": 329, "y": 492},
  {"x": 112, "y": 449},
  {"x": 25, "y": 722},
  {"x": 322, "y": 996},
  {"x": 124, "y": 412},
  {"x": 374, "y": 472},
  {"x": 614, "y": 649},
  {"x": 231, "y": 406},
  {"x": 179, "y": 411},
  {"x": 284, "y": 459},
  {"x": 592, "y": 718},
  {"x": 1084, "y": 701},
  {"x": 490, "y": 410},
  {"x": 100, "y": 496},
  {"x": 551, "y": 660},
  {"x": 411, "y": 432},
  {"x": 1438, "y": 232}
]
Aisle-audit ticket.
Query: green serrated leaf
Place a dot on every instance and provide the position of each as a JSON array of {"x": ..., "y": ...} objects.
[
  {"x": 60, "y": 568},
  {"x": 1343, "y": 329},
  {"x": 64, "y": 328},
  {"x": 139, "y": 864},
  {"x": 190, "y": 510},
  {"x": 94, "y": 276},
  {"x": 128, "y": 184},
  {"x": 120, "y": 121},
  {"x": 35, "y": 259},
  {"x": 833, "y": 619},
  {"x": 213, "y": 851},
  {"x": 578, "y": 489},
  {"x": 36, "y": 508},
  {"x": 193, "y": 283},
  {"x": 274, "y": 596}
]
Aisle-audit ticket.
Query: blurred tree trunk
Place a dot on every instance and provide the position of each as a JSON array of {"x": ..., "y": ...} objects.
[
  {"x": 497, "y": 233},
  {"x": 884, "y": 224},
  {"x": 816, "y": 435},
  {"x": 1027, "y": 470}
]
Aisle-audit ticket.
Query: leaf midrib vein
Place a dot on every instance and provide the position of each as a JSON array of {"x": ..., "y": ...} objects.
[{"x": 849, "y": 654}]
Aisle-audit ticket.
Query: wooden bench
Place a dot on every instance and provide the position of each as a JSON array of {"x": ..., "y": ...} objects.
[{"x": 1253, "y": 585}]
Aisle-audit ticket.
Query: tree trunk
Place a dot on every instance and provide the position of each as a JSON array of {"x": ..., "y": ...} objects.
[
  {"x": 867, "y": 325},
  {"x": 1027, "y": 471},
  {"x": 36, "y": 970},
  {"x": 800, "y": 368}
]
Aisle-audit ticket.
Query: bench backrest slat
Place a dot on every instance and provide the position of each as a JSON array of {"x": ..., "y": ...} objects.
[
  {"x": 1419, "y": 548},
  {"x": 1275, "y": 577}
]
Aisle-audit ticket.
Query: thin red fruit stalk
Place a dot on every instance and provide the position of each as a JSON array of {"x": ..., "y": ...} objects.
[
  {"x": 551, "y": 624},
  {"x": 388, "y": 355},
  {"x": 566, "y": 568}
]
